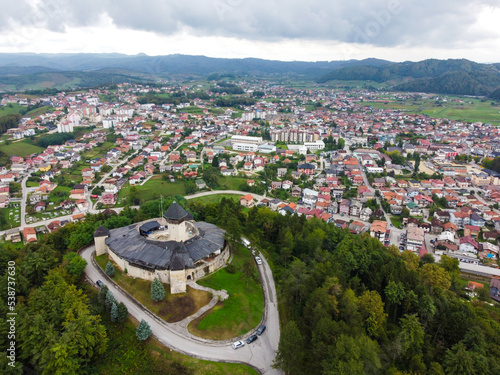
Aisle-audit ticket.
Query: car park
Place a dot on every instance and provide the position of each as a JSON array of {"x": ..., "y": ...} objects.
[
  {"x": 261, "y": 329},
  {"x": 258, "y": 260},
  {"x": 252, "y": 339},
  {"x": 238, "y": 344}
]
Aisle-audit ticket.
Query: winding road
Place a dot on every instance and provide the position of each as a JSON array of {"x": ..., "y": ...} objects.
[{"x": 260, "y": 354}]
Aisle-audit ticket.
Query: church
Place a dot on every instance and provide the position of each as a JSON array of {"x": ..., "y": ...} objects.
[{"x": 173, "y": 248}]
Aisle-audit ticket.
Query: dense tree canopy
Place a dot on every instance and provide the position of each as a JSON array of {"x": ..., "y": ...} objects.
[{"x": 353, "y": 306}]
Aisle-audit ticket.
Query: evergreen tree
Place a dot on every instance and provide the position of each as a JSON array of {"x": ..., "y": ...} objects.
[
  {"x": 143, "y": 330},
  {"x": 110, "y": 270},
  {"x": 114, "y": 312},
  {"x": 102, "y": 295},
  {"x": 122, "y": 312},
  {"x": 110, "y": 299},
  {"x": 157, "y": 290}
]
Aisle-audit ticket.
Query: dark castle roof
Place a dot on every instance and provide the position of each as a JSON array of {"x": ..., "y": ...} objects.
[
  {"x": 127, "y": 243},
  {"x": 175, "y": 212},
  {"x": 101, "y": 232}
]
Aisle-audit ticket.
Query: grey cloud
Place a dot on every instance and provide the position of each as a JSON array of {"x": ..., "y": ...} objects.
[{"x": 378, "y": 22}]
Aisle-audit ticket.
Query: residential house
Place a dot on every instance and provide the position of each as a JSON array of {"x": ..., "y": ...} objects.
[
  {"x": 414, "y": 238},
  {"x": 477, "y": 220},
  {"x": 247, "y": 200},
  {"x": 306, "y": 168},
  {"x": 333, "y": 208},
  {"x": 378, "y": 229},
  {"x": 345, "y": 207},
  {"x": 468, "y": 244},
  {"x": 29, "y": 235},
  {"x": 471, "y": 231},
  {"x": 365, "y": 214}
]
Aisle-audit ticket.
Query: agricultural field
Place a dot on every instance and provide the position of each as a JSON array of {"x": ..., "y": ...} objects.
[
  {"x": 457, "y": 109},
  {"x": 19, "y": 148}
]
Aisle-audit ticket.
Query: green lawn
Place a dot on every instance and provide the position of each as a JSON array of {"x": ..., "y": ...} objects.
[
  {"x": 21, "y": 148},
  {"x": 173, "y": 308},
  {"x": 396, "y": 221},
  {"x": 59, "y": 194},
  {"x": 215, "y": 198},
  {"x": 98, "y": 152},
  {"x": 127, "y": 355},
  {"x": 240, "y": 313},
  {"x": 231, "y": 183},
  {"x": 152, "y": 189}
]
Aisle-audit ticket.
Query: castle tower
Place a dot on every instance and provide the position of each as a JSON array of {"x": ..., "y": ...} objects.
[
  {"x": 100, "y": 236},
  {"x": 176, "y": 216},
  {"x": 178, "y": 269}
]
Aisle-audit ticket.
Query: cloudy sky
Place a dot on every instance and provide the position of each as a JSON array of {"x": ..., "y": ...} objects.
[{"x": 312, "y": 30}]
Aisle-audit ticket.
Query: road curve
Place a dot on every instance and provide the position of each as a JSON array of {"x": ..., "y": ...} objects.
[{"x": 260, "y": 354}]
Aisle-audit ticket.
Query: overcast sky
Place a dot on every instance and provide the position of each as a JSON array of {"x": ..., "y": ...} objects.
[{"x": 312, "y": 30}]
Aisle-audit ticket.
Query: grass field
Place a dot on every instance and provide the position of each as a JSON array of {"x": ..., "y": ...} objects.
[
  {"x": 126, "y": 355},
  {"x": 153, "y": 189},
  {"x": 240, "y": 313},
  {"x": 231, "y": 183},
  {"x": 98, "y": 152},
  {"x": 173, "y": 308},
  {"x": 21, "y": 148},
  {"x": 471, "y": 110},
  {"x": 215, "y": 198}
]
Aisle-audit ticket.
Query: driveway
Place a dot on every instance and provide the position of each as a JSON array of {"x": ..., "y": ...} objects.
[{"x": 260, "y": 354}]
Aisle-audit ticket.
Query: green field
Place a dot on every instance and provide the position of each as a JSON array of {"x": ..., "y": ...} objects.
[
  {"x": 231, "y": 183},
  {"x": 98, "y": 152},
  {"x": 241, "y": 312},
  {"x": 215, "y": 198},
  {"x": 21, "y": 148},
  {"x": 472, "y": 110},
  {"x": 153, "y": 189}
]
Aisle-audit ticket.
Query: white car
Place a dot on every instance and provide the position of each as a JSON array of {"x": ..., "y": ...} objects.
[
  {"x": 238, "y": 344},
  {"x": 258, "y": 260}
]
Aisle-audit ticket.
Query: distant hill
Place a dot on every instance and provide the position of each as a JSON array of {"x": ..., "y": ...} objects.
[
  {"x": 459, "y": 77},
  {"x": 34, "y": 71},
  {"x": 182, "y": 65},
  {"x": 64, "y": 80}
]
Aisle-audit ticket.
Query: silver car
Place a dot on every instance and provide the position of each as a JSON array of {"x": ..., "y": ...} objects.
[{"x": 238, "y": 344}]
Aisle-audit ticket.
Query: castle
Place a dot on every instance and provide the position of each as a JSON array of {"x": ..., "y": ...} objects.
[{"x": 174, "y": 248}]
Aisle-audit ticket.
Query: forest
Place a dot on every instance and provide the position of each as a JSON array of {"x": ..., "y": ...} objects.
[{"x": 348, "y": 304}]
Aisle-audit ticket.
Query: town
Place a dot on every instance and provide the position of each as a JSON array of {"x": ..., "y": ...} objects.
[{"x": 412, "y": 181}]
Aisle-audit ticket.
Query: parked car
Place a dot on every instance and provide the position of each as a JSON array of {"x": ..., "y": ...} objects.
[
  {"x": 252, "y": 339},
  {"x": 258, "y": 260},
  {"x": 99, "y": 283},
  {"x": 238, "y": 344},
  {"x": 261, "y": 329}
]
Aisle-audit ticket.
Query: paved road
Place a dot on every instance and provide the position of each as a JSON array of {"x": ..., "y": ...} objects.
[{"x": 260, "y": 354}]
